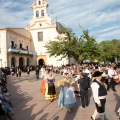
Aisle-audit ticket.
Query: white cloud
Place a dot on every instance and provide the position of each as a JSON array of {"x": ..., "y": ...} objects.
[
  {"x": 111, "y": 29},
  {"x": 108, "y": 35},
  {"x": 100, "y": 17}
]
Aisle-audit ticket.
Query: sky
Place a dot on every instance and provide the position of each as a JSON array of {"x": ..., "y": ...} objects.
[{"x": 100, "y": 17}]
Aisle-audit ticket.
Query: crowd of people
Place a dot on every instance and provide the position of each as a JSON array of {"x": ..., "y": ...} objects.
[
  {"x": 6, "y": 107},
  {"x": 77, "y": 81}
]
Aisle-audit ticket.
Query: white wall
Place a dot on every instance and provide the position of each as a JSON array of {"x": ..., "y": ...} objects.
[
  {"x": 3, "y": 54},
  {"x": 38, "y": 46}
]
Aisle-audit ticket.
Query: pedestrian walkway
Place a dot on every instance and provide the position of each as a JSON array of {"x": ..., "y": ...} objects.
[{"x": 30, "y": 104}]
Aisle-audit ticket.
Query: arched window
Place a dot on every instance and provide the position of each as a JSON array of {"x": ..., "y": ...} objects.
[
  {"x": 39, "y": 2},
  {"x": 42, "y": 13},
  {"x": 21, "y": 62},
  {"x": 37, "y": 13}
]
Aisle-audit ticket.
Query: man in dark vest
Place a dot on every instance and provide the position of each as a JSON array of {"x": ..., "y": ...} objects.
[{"x": 99, "y": 95}]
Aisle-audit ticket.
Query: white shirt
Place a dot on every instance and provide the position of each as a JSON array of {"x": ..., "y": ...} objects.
[
  {"x": 95, "y": 87},
  {"x": 111, "y": 72},
  {"x": 42, "y": 71}
]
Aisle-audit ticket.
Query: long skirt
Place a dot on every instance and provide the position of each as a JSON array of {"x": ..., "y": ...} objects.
[
  {"x": 66, "y": 98},
  {"x": 50, "y": 93},
  {"x": 42, "y": 87}
]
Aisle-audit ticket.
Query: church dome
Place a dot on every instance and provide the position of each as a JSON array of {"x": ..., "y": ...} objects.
[{"x": 59, "y": 26}]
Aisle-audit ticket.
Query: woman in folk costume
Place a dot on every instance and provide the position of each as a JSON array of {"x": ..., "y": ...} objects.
[
  {"x": 73, "y": 83},
  {"x": 43, "y": 83},
  {"x": 50, "y": 93},
  {"x": 66, "y": 97}
]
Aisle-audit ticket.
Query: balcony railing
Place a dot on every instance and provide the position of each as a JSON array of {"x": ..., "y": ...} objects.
[{"x": 19, "y": 51}]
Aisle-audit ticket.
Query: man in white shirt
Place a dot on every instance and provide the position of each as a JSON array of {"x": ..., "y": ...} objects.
[
  {"x": 99, "y": 94},
  {"x": 111, "y": 74}
]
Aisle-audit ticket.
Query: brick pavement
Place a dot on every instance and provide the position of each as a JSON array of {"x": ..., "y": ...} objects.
[{"x": 30, "y": 104}]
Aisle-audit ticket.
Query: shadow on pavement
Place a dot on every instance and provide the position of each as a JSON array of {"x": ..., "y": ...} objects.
[{"x": 21, "y": 101}]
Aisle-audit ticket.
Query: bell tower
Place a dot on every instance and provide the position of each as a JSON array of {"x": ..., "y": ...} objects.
[
  {"x": 40, "y": 13},
  {"x": 42, "y": 30}
]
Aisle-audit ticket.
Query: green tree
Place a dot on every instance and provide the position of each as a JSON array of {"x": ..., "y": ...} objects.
[
  {"x": 107, "y": 50},
  {"x": 90, "y": 47},
  {"x": 73, "y": 47},
  {"x": 65, "y": 46},
  {"x": 116, "y": 44}
]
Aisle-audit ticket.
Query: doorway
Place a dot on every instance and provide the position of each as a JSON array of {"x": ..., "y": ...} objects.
[{"x": 41, "y": 62}]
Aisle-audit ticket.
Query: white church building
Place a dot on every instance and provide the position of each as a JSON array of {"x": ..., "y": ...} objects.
[{"x": 25, "y": 46}]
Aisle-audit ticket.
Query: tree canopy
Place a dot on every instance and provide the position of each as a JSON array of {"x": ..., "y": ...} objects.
[
  {"x": 71, "y": 46},
  {"x": 110, "y": 50},
  {"x": 90, "y": 47},
  {"x": 82, "y": 48}
]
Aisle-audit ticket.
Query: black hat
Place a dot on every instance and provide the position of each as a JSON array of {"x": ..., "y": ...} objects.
[{"x": 97, "y": 74}]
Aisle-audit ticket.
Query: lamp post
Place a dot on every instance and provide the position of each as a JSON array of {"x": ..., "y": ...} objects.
[{"x": 1, "y": 62}]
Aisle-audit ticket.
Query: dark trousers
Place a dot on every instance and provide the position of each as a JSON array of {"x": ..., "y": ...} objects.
[
  {"x": 28, "y": 72},
  {"x": 111, "y": 84},
  {"x": 84, "y": 98},
  {"x": 102, "y": 108},
  {"x": 37, "y": 76},
  {"x": 16, "y": 74},
  {"x": 19, "y": 74}
]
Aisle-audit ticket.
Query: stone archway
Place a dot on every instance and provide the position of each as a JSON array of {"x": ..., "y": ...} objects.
[
  {"x": 21, "y": 62},
  {"x": 13, "y": 61},
  {"x": 41, "y": 62}
]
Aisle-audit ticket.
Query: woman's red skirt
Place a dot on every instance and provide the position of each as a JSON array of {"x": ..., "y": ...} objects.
[{"x": 42, "y": 87}]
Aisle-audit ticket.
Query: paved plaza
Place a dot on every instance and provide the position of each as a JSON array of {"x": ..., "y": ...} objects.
[{"x": 30, "y": 104}]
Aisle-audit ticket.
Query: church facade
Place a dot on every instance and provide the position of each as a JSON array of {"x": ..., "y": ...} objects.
[{"x": 23, "y": 47}]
